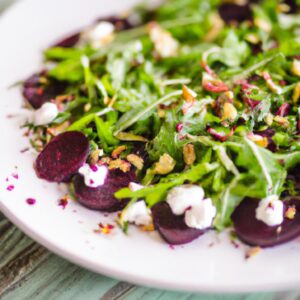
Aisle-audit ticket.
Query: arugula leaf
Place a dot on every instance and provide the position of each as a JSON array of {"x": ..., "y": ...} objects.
[
  {"x": 233, "y": 53},
  {"x": 131, "y": 117},
  {"x": 157, "y": 192},
  {"x": 262, "y": 166},
  {"x": 166, "y": 141}
]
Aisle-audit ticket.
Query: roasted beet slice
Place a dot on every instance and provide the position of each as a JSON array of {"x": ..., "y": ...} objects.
[
  {"x": 102, "y": 198},
  {"x": 62, "y": 157},
  {"x": 231, "y": 12},
  {"x": 37, "y": 89},
  {"x": 257, "y": 233},
  {"x": 69, "y": 41},
  {"x": 171, "y": 227}
]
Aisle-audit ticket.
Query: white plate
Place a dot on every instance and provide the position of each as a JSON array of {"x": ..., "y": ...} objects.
[{"x": 210, "y": 264}]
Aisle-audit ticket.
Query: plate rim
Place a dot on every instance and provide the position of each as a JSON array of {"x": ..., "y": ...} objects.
[{"x": 111, "y": 272}]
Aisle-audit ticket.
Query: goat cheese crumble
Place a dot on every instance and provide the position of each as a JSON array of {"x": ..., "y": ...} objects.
[
  {"x": 46, "y": 114},
  {"x": 270, "y": 211},
  {"x": 94, "y": 176},
  {"x": 188, "y": 199}
]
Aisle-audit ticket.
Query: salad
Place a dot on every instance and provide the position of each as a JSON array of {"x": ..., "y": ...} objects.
[{"x": 184, "y": 118}]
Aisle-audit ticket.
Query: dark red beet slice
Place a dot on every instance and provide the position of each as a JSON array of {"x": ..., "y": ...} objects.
[
  {"x": 171, "y": 227},
  {"x": 62, "y": 157},
  {"x": 36, "y": 92},
  {"x": 257, "y": 233},
  {"x": 69, "y": 41},
  {"x": 230, "y": 12},
  {"x": 102, "y": 198}
]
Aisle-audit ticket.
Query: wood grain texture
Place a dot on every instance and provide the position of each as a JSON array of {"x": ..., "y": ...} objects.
[{"x": 29, "y": 271}]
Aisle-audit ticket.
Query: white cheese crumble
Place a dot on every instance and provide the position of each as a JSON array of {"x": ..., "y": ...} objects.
[
  {"x": 138, "y": 213},
  {"x": 94, "y": 176},
  {"x": 46, "y": 114},
  {"x": 188, "y": 199},
  {"x": 180, "y": 198},
  {"x": 165, "y": 44},
  {"x": 201, "y": 215},
  {"x": 100, "y": 34},
  {"x": 135, "y": 186},
  {"x": 270, "y": 211}
]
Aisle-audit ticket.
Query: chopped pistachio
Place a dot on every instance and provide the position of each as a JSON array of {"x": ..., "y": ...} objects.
[
  {"x": 189, "y": 154},
  {"x": 253, "y": 252},
  {"x": 116, "y": 153},
  {"x": 296, "y": 67},
  {"x": 282, "y": 121},
  {"x": 136, "y": 160},
  {"x": 119, "y": 164},
  {"x": 229, "y": 112},
  {"x": 296, "y": 93},
  {"x": 165, "y": 165},
  {"x": 290, "y": 213}
]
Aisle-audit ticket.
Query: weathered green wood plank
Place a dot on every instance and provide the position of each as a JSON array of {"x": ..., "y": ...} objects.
[{"x": 29, "y": 271}]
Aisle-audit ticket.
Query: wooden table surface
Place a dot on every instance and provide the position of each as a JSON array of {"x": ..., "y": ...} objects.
[{"x": 29, "y": 271}]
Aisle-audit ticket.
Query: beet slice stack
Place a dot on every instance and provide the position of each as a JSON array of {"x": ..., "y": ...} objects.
[
  {"x": 62, "y": 157},
  {"x": 102, "y": 198},
  {"x": 257, "y": 233},
  {"x": 171, "y": 227}
]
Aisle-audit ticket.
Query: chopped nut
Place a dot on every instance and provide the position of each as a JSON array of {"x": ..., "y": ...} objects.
[
  {"x": 56, "y": 130},
  {"x": 269, "y": 119},
  {"x": 253, "y": 252},
  {"x": 105, "y": 161},
  {"x": 165, "y": 165},
  {"x": 87, "y": 107},
  {"x": 165, "y": 44},
  {"x": 282, "y": 121},
  {"x": 290, "y": 213},
  {"x": 263, "y": 24},
  {"x": 252, "y": 38},
  {"x": 189, "y": 154},
  {"x": 229, "y": 112},
  {"x": 296, "y": 93},
  {"x": 116, "y": 153},
  {"x": 127, "y": 136},
  {"x": 135, "y": 160},
  {"x": 149, "y": 227},
  {"x": 283, "y": 8},
  {"x": 217, "y": 26},
  {"x": 94, "y": 158},
  {"x": 119, "y": 164},
  {"x": 296, "y": 67},
  {"x": 229, "y": 95},
  {"x": 161, "y": 113},
  {"x": 188, "y": 94},
  {"x": 259, "y": 140}
]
